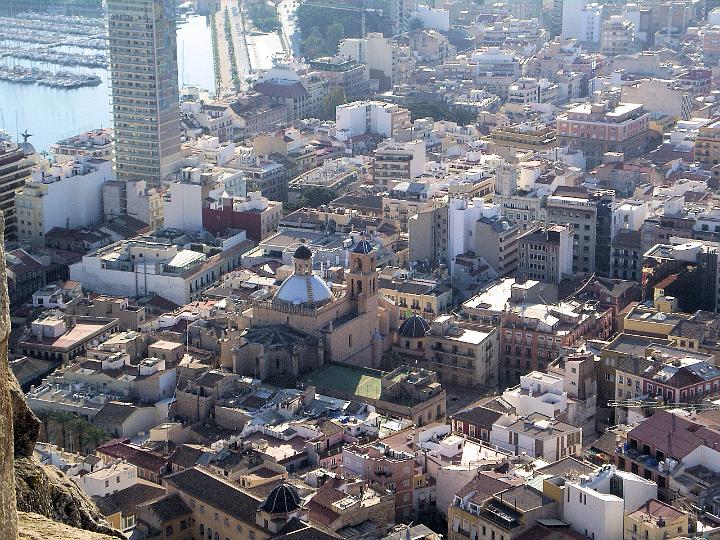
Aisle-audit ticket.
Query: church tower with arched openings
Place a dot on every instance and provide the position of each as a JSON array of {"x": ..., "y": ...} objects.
[{"x": 362, "y": 278}]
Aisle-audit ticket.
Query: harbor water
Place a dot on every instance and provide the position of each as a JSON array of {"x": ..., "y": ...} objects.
[{"x": 52, "y": 114}]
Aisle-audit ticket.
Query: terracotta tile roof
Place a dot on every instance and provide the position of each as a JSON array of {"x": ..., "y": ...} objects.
[
  {"x": 486, "y": 484},
  {"x": 139, "y": 457},
  {"x": 674, "y": 435},
  {"x": 657, "y": 509}
]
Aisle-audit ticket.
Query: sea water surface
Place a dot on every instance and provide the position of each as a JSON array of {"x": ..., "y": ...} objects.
[{"x": 53, "y": 114}]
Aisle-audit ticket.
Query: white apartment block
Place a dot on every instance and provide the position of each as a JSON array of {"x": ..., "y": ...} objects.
[
  {"x": 108, "y": 479},
  {"x": 381, "y": 55},
  {"x": 595, "y": 505},
  {"x": 378, "y": 117},
  {"x": 537, "y": 436},
  {"x": 145, "y": 267},
  {"x": 67, "y": 194},
  {"x": 462, "y": 217}
]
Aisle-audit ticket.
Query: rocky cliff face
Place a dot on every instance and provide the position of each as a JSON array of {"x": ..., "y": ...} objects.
[
  {"x": 36, "y": 527},
  {"x": 8, "y": 518},
  {"x": 50, "y": 498}
]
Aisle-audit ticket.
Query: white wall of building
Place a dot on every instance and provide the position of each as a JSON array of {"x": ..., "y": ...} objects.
[
  {"x": 183, "y": 207},
  {"x": 107, "y": 480},
  {"x": 437, "y": 19},
  {"x": 538, "y": 393},
  {"x": 594, "y": 512},
  {"x": 93, "y": 277},
  {"x": 76, "y": 201},
  {"x": 462, "y": 215},
  {"x": 375, "y": 50}
]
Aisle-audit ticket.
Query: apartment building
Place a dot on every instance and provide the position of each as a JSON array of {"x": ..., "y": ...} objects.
[
  {"x": 608, "y": 126},
  {"x": 536, "y": 137},
  {"x": 346, "y": 74},
  {"x": 61, "y": 339},
  {"x": 66, "y": 195},
  {"x": 537, "y": 436},
  {"x": 395, "y": 162},
  {"x": 533, "y": 331},
  {"x": 381, "y": 465},
  {"x": 15, "y": 168},
  {"x": 595, "y": 504},
  {"x": 707, "y": 144},
  {"x": 460, "y": 353},
  {"x": 463, "y": 514},
  {"x": 428, "y": 232},
  {"x": 387, "y": 61},
  {"x": 145, "y": 91},
  {"x": 617, "y": 36},
  {"x": 545, "y": 253},
  {"x": 589, "y": 215},
  {"x": 376, "y": 117},
  {"x": 428, "y": 296},
  {"x": 144, "y": 267}
]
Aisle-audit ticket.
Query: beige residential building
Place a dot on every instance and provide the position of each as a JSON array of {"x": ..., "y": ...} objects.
[
  {"x": 15, "y": 167},
  {"x": 545, "y": 253},
  {"x": 387, "y": 61},
  {"x": 617, "y": 36},
  {"x": 67, "y": 195},
  {"x": 460, "y": 353},
  {"x": 413, "y": 293},
  {"x": 395, "y": 162}
]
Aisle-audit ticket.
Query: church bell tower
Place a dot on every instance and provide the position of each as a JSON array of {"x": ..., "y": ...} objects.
[{"x": 362, "y": 277}]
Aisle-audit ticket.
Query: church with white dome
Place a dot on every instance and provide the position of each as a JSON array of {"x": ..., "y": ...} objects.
[{"x": 309, "y": 322}]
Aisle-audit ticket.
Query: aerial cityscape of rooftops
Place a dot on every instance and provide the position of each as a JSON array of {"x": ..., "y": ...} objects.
[{"x": 399, "y": 269}]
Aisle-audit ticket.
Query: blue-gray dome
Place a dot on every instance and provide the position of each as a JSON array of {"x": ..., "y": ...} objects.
[
  {"x": 283, "y": 499},
  {"x": 414, "y": 327},
  {"x": 304, "y": 289},
  {"x": 363, "y": 246}
]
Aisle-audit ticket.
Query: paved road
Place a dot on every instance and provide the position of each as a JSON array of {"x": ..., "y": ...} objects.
[{"x": 286, "y": 14}]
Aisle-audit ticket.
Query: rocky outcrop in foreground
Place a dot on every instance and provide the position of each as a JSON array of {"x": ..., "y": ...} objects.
[
  {"x": 46, "y": 491},
  {"x": 42, "y": 489},
  {"x": 8, "y": 518},
  {"x": 25, "y": 485},
  {"x": 37, "y": 527}
]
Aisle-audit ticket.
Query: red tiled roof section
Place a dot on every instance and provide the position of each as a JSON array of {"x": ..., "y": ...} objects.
[
  {"x": 675, "y": 435},
  {"x": 143, "y": 459},
  {"x": 320, "y": 506},
  {"x": 486, "y": 484},
  {"x": 657, "y": 509}
]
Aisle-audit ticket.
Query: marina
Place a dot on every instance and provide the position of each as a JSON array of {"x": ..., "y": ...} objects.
[
  {"x": 59, "y": 79},
  {"x": 54, "y": 112}
]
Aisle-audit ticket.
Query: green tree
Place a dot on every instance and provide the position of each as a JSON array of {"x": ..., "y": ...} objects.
[
  {"x": 314, "y": 45},
  {"x": 334, "y": 34},
  {"x": 264, "y": 17},
  {"x": 61, "y": 421},
  {"x": 335, "y": 97},
  {"x": 78, "y": 427},
  {"x": 440, "y": 111},
  {"x": 95, "y": 436},
  {"x": 315, "y": 197}
]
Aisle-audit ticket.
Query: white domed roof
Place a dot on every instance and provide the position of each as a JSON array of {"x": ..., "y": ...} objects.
[{"x": 304, "y": 289}]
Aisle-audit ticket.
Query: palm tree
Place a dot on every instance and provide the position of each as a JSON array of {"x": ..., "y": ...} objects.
[
  {"x": 79, "y": 428},
  {"x": 61, "y": 419},
  {"x": 95, "y": 436}
]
